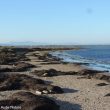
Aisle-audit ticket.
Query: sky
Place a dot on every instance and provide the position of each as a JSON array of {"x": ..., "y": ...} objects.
[{"x": 55, "y": 21}]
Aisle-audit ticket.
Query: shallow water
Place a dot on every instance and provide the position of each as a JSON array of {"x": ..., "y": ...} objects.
[{"x": 97, "y": 57}]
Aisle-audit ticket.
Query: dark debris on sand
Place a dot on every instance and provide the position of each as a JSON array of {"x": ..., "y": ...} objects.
[
  {"x": 107, "y": 95},
  {"x": 102, "y": 84},
  {"x": 51, "y": 73},
  {"x": 25, "y": 82},
  {"x": 18, "y": 67},
  {"x": 87, "y": 73},
  {"x": 29, "y": 101},
  {"x": 11, "y": 55}
]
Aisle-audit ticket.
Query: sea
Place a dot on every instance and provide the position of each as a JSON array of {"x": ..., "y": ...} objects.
[{"x": 93, "y": 56}]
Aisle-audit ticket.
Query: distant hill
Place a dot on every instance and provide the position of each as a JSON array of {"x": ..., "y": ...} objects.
[{"x": 28, "y": 43}]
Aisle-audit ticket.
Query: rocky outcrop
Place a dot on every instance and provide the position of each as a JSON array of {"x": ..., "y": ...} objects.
[
  {"x": 94, "y": 74},
  {"x": 51, "y": 73},
  {"x": 48, "y": 58},
  {"x": 5, "y": 69},
  {"x": 25, "y": 82},
  {"x": 28, "y": 101},
  {"x": 89, "y": 72},
  {"x": 17, "y": 67},
  {"x": 10, "y": 55},
  {"x": 86, "y": 73}
]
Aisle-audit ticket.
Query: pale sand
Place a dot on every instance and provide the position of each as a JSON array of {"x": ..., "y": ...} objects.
[{"x": 80, "y": 94}]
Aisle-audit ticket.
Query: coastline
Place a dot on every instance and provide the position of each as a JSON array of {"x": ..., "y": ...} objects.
[
  {"x": 91, "y": 61},
  {"x": 80, "y": 85},
  {"x": 81, "y": 68}
]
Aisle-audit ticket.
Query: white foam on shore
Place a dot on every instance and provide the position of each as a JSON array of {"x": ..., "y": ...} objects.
[{"x": 98, "y": 65}]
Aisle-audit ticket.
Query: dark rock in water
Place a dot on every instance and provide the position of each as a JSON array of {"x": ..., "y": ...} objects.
[
  {"x": 29, "y": 101},
  {"x": 102, "y": 84},
  {"x": 19, "y": 67},
  {"x": 25, "y": 82},
  {"x": 107, "y": 95},
  {"x": 51, "y": 73}
]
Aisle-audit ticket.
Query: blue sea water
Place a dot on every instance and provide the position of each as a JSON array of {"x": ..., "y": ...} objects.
[{"x": 97, "y": 57}]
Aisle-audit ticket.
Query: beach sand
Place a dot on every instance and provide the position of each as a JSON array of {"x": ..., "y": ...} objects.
[{"x": 79, "y": 93}]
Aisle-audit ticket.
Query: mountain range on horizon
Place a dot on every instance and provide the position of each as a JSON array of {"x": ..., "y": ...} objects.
[
  {"x": 32, "y": 43},
  {"x": 26, "y": 43}
]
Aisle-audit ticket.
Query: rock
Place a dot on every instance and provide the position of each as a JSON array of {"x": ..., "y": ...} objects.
[
  {"x": 102, "y": 84},
  {"x": 29, "y": 101}
]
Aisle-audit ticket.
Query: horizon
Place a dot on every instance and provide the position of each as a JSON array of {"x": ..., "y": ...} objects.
[
  {"x": 55, "y": 22},
  {"x": 33, "y": 43}
]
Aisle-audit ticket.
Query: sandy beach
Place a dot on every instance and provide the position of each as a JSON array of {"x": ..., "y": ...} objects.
[{"x": 80, "y": 92}]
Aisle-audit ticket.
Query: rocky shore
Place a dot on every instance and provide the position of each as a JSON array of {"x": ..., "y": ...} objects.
[{"x": 32, "y": 79}]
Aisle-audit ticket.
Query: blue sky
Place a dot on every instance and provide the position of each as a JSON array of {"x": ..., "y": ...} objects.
[{"x": 55, "y": 21}]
